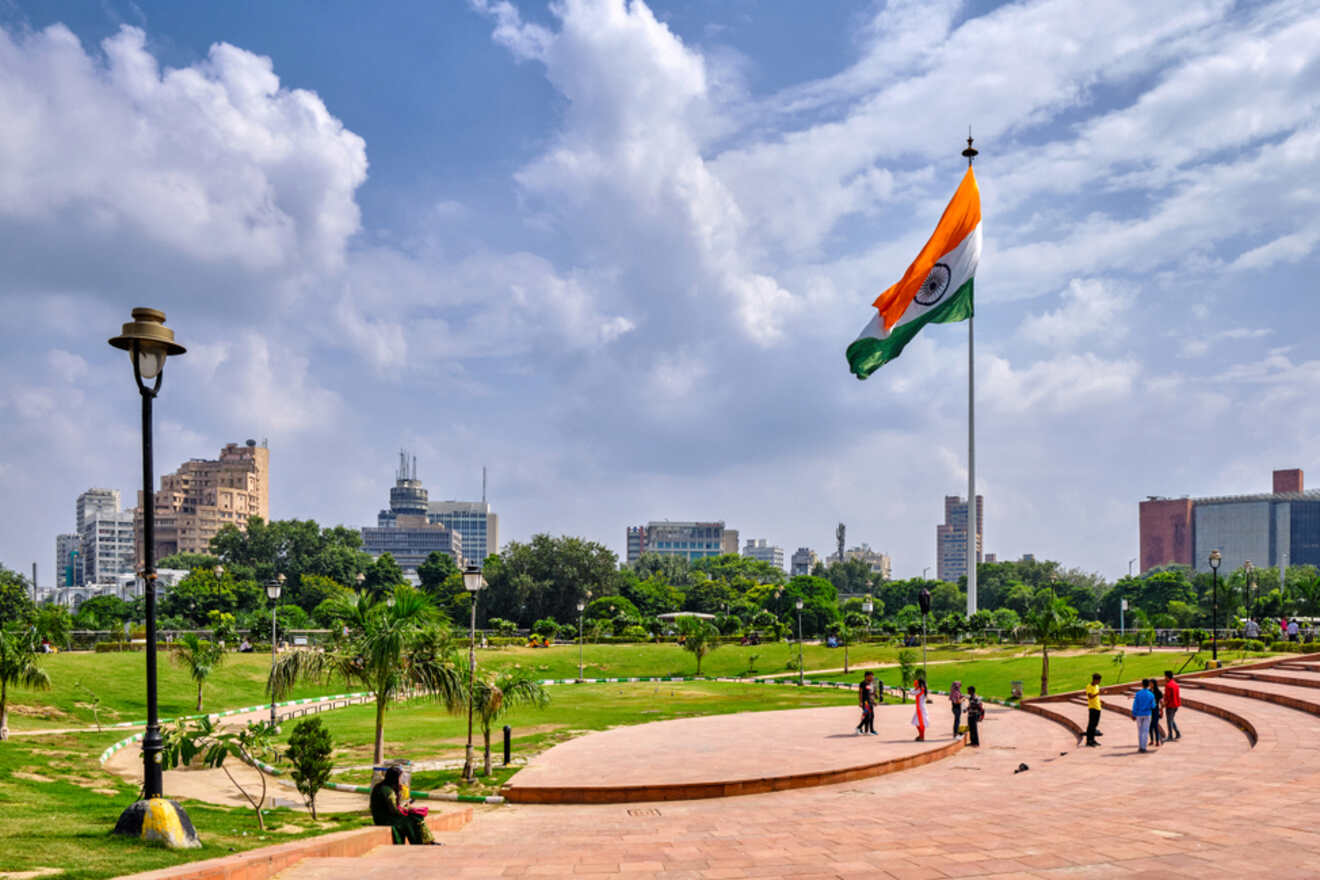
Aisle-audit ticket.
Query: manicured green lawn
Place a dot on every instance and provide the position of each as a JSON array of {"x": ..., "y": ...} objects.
[
  {"x": 57, "y": 807},
  {"x": 993, "y": 678},
  {"x": 120, "y": 679}
]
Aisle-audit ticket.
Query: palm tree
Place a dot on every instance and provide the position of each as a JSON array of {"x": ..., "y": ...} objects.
[
  {"x": 18, "y": 665},
  {"x": 700, "y": 637},
  {"x": 200, "y": 657},
  {"x": 391, "y": 647},
  {"x": 491, "y": 699},
  {"x": 1050, "y": 620}
]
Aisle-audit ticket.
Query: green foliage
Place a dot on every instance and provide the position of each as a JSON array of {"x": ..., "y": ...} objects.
[
  {"x": 202, "y": 739},
  {"x": 610, "y": 607},
  {"x": 383, "y": 576},
  {"x": 18, "y": 666},
  {"x": 199, "y": 657},
  {"x": 699, "y": 637},
  {"x": 201, "y": 592},
  {"x": 15, "y": 597},
  {"x": 545, "y": 578},
  {"x": 437, "y": 569},
  {"x": 635, "y": 633},
  {"x": 907, "y": 669},
  {"x": 54, "y": 623},
  {"x": 224, "y": 628},
  {"x": 502, "y": 626},
  {"x": 291, "y": 548},
  {"x": 389, "y": 648},
  {"x": 309, "y": 749},
  {"x": 849, "y": 576},
  {"x": 103, "y": 612},
  {"x": 732, "y": 567},
  {"x": 1050, "y": 621},
  {"x": 663, "y": 568},
  {"x": 653, "y": 595},
  {"x": 188, "y": 561},
  {"x": 547, "y": 627},
  {"x": 493, "y": 697}
]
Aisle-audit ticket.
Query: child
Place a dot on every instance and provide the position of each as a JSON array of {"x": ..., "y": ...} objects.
[{"x": 975, "y": 712}]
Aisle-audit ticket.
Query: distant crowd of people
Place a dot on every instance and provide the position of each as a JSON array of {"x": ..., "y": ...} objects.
[
  {"x": 1291, "y": 630},
  {"x": 871, "y": 692}
]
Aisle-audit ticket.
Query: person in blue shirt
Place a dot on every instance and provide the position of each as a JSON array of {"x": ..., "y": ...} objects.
[{"x": 1143, "y": 707}]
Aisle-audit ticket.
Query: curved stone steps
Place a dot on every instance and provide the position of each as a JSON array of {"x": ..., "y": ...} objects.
[{"x": 1296, "y": 697}]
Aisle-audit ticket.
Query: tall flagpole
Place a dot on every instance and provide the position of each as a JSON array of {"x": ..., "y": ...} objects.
[{"x": 972, "y": 519}]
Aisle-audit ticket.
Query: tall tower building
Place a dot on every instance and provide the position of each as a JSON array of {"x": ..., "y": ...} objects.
[
  {"x": 474, "y": 521},
  {"x": 406, "y": 530},
  {"x": 194, "y": 502},
  {"x": 757, "y": 548},
  {"x": 691, "y": 540},
  {"x": 68, "y": 561},
  {"x": 93, "y": 502},
  {"x": 951, "y": 538}
]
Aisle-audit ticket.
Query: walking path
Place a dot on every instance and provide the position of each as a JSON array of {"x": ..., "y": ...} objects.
[{"x": 1204, "y": 806}]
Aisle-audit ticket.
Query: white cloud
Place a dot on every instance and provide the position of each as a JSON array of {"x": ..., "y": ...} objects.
[{"x": 1091, "y": 307}]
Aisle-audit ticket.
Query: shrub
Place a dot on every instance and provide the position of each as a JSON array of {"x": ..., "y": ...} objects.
[
  {"x": 635, "y": 633},
  {"x": 568, "y": 632},
  {"x": 310, "y": 746},
  {"x": 546, "y": 626}
]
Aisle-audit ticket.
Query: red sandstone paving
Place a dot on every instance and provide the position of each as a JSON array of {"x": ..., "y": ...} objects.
[{"x": 1205, "y": 806}]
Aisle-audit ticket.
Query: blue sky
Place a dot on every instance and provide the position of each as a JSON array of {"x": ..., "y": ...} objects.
[{"x": 614, "y": 252}]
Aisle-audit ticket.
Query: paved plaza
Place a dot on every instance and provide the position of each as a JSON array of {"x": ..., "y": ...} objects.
[{"x": 1210, "y": 805}]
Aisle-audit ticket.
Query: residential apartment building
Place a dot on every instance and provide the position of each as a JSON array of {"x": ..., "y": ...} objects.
[
  {"x": 203, "y": 495},
  {"x": 474, "y": 522},
  {"x": 951, "y": 538},
  {"x": 1269, "y": 529},
  {"x": 691, "y": 540},
  {"x": 756, "y": 548},
  {"x": 803, "y": 561},
  {"x": 109, "y": 547},
  {"x": 879, "y": 563}
]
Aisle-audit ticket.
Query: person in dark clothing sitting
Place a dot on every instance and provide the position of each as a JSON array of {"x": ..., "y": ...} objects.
[{"x": 387, "y": 809}]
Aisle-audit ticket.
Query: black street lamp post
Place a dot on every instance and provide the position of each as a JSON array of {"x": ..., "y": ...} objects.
[
  {"x": 273, "y": 590},
  {"x": 1215, "y": 558},
  {"x": 798, "y": 606},
  {"x": 473, "y": 582},
  {"x": 148, "y": 343},
  {"x": 924, "y": 598}
]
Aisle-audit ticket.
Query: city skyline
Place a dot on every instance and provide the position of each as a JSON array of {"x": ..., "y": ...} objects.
[{"x": 434, "y": 228}]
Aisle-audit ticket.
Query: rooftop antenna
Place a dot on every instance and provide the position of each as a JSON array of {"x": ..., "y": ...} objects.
[
  {"x": 414, "y": 470},
  {"x": 483, "y": 484}
]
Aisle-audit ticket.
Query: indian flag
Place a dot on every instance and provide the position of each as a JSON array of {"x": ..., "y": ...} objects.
[{"x": 936, "y": 288}]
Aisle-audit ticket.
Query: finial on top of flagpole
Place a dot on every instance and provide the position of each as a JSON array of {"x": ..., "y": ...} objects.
[{"x": 971, "y": 151}]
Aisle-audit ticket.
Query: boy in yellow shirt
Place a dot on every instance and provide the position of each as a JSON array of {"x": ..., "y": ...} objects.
[{"x": 1093, "y": 710}]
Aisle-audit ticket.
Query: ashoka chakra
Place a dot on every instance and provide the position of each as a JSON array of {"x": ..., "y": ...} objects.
[{"x": 933, "y": 288}]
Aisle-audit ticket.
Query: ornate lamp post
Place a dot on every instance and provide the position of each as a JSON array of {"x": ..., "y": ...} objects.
[
  {"x": 581, "y": 606},
  {"x": 1249, "y": 571},
  {"x": 1215, "y": 558},
  {"x": 798, "y": 606},
  {"x": 867, "y": 607},
  {"x": 924, "y": 598},
  {"x": 148, "y": 343},
  {"x": 473, "y": 582},
  {"x": 273, "y": 589}
]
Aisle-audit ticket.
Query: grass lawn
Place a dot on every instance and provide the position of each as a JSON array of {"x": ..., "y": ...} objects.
[
  {"x": 57, "y": 807},
  {"x": 422, "y": 730},
  {"x": 993, "y": 678},
  {"x": 119, "y": 679}
]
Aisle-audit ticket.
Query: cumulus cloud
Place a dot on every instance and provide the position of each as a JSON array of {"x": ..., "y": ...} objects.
[
  {"x": 216, "y": 161},
  {"x": 1091, "y": 307}
]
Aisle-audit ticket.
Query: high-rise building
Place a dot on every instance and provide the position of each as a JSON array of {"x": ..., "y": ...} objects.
[
  {"x": 95, "y": 501},
  {"x": 473, "y": 521},
  {"x": 879, "y": 563},
  {"x": 756, "y": 548},
  {"x": 109, "y": 546},
  {"x": 691, "y": 540},
  {"x": 194, "y": 502},
  {"x": 1269, "y": 529},
  {"x": 405, "y": 530},
  {"x": 804, "y": 560},
  {"x": 68, "y": 561},
  {"x": 951, "y": 538}
]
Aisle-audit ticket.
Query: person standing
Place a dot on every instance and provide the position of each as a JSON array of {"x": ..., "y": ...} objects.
[
  {"x": 919, "y": 717},
  {"x": 956, "y": 701},
  {"x": 1093, "y": 710},
  {"x": 975, "y": 712},
  {"x": 866, "y": 700},
  {"x": 1293, "y": 630},
  {"x": 1143, "y": 704},
  {"x": 1172, "y": 702},
  {"x": 1156, "y": 731}
]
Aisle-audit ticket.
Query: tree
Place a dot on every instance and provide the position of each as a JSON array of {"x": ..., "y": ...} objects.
[
  {"x": 651, "y": 596},
  {"x": 731, "y": 567},
  {"x": 546, "y": 627},
  {"x": 492, "y": 698},
  {"x": 850, "y": 576},
  {"x": 907, "y": 669},
  {"x": 383, "y": 576},
  {"x": 389, "y": 648},
  {"x": 53, "y": 622},
  {"x": 666, "y": 567},
  {"x": 437, "y": 569},
  {"x": 546, "y": 577},
  {"x": 610, "y": 607},
  {"x": 947, "y": 599},
  {"x": 103, "y": 612},
  {"x": 699, "y": 637},
  {"x": 291, "y": 548},
  {"x": 188, "y": 561},
  {"x": 1050, "y": 620},
  {"x": 310, "y": 747},
  {"x": 199, "y": 657},
  {"x": 18, "y": 666},
  {"x": 844, "y": 633},
  {"x": 202, "y": 592},
  {"x": 15, "y": 598},
  {"x": 250, "y": 744}
]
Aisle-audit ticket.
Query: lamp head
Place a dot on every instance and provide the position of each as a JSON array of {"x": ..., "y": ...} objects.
[
  {"x": 274, "y": 587},
  {"x": 218, "y": 571},
  {"x": 472, "y": 579},
  {"x": 1215, "y": 558},
  {"x": 798, "y": 604},
  {"x": 148, "y": 341},
  {"x": 924, "y": 599},
  {"x": 582, "y": 606}
]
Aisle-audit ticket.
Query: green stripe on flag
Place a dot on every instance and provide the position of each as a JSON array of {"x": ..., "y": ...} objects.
[{"x": 868, "y": 354}]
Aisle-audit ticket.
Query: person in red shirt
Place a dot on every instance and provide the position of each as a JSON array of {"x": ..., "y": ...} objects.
[{"x": 1172, "y": 701}]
